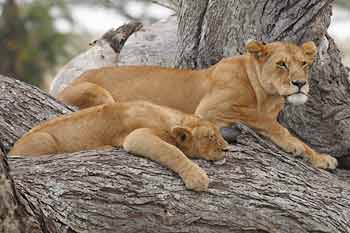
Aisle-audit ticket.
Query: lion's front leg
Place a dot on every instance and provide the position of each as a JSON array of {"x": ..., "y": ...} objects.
[
  {"x": 146, "y": 143},
  {"x": 286, "y": 141},
  {"x": 281, "y": 136},
  {"x": 321, "y": 160}
]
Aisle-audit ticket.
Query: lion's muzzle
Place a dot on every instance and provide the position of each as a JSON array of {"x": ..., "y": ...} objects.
[{"x": 297, "y": 98}]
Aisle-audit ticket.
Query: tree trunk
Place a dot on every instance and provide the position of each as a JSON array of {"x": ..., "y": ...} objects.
[{"x": 258, "y": 189}]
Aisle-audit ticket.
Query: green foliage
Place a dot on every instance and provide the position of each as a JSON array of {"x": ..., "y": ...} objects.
[{"x": 30, "y": 42}]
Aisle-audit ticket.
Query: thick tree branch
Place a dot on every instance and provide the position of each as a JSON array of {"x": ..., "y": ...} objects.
[
  {"x": 14, "y": 102},
  {"x": 259, "y": 189},
  {"x": 14, "y": 216}
]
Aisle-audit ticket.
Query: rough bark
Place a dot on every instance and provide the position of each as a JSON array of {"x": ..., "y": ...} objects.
[
  {"x": 19, "y": 112},
  {"x": 258, "y": 189},
  {"x": 14, "y": 217},
  {"x": 20, "y": 101},
  {"x": 155, "y": 44},
  {"x": 102, "y": 191},
  {"x": 220, "y": 29}
]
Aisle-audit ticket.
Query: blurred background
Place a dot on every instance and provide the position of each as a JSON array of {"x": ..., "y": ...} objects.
[{"x": 37, "y": 37}]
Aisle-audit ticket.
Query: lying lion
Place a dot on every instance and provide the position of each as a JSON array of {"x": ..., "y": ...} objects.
[
  {"x": 251, "y": 88},
  {"x": 158, "y": 133}
]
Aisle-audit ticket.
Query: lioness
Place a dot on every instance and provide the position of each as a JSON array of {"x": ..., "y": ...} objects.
[
  {"x": 158, "y": 133},
  {"x": 251, "y": 88}
]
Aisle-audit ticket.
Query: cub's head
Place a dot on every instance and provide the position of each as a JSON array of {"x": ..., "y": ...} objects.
[
  {"x": 201, "y": 141},
  {"x": 284, "y": 68}
]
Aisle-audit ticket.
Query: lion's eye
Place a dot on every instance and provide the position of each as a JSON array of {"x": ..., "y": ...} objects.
[{"x": 282, "y": 65}]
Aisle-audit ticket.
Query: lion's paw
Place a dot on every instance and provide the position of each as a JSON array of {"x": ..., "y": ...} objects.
[
  {"x": 294, "y": 147},
  {"x": 325, "y": 161},
  {"x": 195, "y": 178}
]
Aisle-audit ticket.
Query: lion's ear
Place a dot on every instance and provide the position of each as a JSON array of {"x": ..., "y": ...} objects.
[
  {"x": 310, "y": 51},
  {"x": 181, "y": 134},
  {"x": 256, "y": 48}
]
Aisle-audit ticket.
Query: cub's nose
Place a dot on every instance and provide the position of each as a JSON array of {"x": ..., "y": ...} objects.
[{"x": 299, "y": 83}]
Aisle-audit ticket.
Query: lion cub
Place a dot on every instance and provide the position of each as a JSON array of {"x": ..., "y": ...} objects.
[{"x": 152, "y": 131}]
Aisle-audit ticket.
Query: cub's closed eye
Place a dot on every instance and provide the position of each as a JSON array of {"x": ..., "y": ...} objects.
[{"x": 282, "y": 65}]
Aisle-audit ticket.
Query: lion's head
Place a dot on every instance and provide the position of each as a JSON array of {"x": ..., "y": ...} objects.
[
  {"x": 284, "y": 68},
  {"x": 203, "y": 140}
]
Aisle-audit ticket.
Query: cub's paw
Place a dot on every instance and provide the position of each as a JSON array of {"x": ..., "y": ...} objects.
[
  {"x": 324, "y": 161},
  {"x": 195, "y": 178}
]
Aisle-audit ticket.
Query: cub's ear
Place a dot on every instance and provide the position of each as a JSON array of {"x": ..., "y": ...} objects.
[
  {"x": 310, "y": 51},
  {"x": 256, "y": 48},
  {"x": 181, "y": 134}
]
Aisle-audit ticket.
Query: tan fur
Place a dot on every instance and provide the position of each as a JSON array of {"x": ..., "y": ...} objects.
[
  {"x": 251, "y": 88},
  {"x": 158, "y": 133}
]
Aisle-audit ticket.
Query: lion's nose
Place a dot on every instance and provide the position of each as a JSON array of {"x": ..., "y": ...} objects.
[{"x": 299, "y": 83}]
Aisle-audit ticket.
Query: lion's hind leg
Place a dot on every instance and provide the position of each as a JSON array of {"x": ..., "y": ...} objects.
[
  {"x": 84, "y": 95},
  {"x": 35, "y": 144},
  {"x": 145, "y": 142}
]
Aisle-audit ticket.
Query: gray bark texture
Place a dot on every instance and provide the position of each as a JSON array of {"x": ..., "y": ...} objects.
[
  {"x": 258, "y": 189},
  {"x": 21, "y": 106},
  {"x": 14, "y": 100},
  {"x": 13, "y": 216}
]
